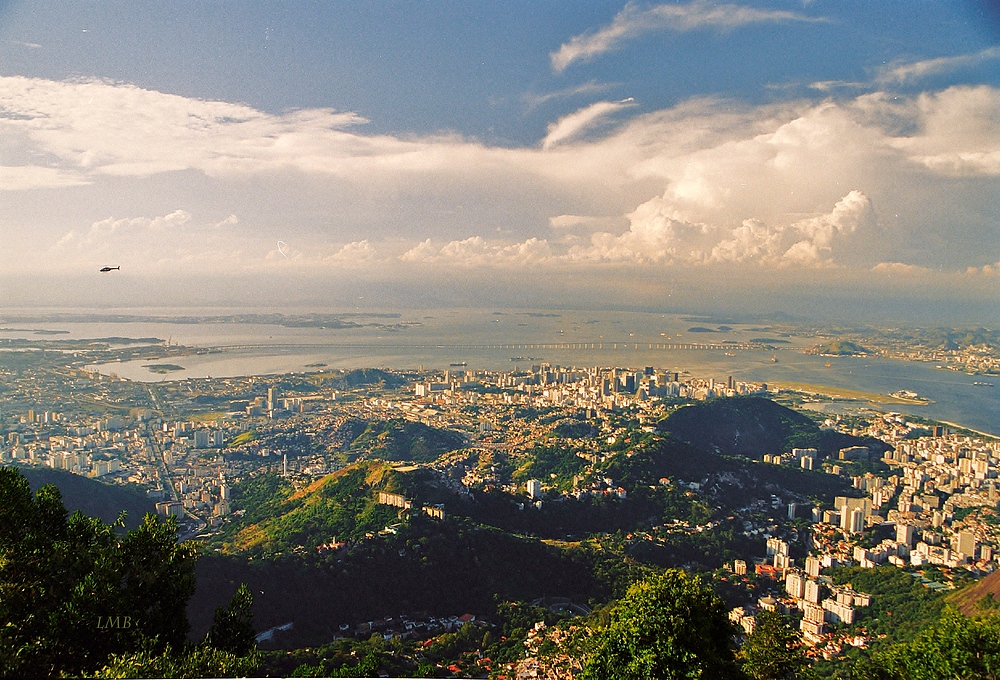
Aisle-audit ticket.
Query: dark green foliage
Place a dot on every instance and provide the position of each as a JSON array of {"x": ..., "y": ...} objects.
[
  {"x": 261, "y": 497},
  {"x": 363, "y": 377},
  {"x": 667, "y": 626},
  {"x": 545, "y": 460},
  {"x": 200, "y": 661},
  {"x": 668, "y": 457},
  {"x": 443, "y": 567},
  {"x": 533, "y": 413},
  {"x": 575, "y": 429},
  {"x": 753, "y": 426},
  {"x": 368, "y": 668},
  {"x": 91, "y": 497},
  {"x": 709, "y": 549},
  {"x": 773, "y": 651},
  {"x": 901, "y": 607},
  {"x": 73, "y": 591},
  {"x": 402, "y": 440},
  {"x": 955, "y": 648},
  {"x": 232, "y": 630},
  {"x": 452, "y": 645},
  {"x": 582, "y": 517}
]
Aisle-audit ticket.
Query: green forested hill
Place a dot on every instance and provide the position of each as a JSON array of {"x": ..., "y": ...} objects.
[
  {"x": 399, "y": 439},
  {"x": 753, "y": 426},
  {"x": 668, "y": 457},
  {"x": 92, "y": 497},
  {"x": 842, "y": 348},
  {"x": 360, "y": 377},
  {"x": 342, "y": 505}
]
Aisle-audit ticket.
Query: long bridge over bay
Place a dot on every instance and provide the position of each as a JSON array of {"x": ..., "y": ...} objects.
[{"x": 507, "y": 346}]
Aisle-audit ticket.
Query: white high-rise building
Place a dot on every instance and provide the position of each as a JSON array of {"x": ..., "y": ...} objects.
[
  {"x": 534, "y": 488},
  {"x": 775, "y": 546},
  {"x": 812, "y": 592},
  {"x": 906, "y": 533},
  {"x": 857, "y": 521},
  {"x": 965, "y": 543},
  {"x": 795, "y": 585}
]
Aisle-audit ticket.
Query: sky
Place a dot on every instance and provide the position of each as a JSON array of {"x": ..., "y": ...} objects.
[{"x": 823, "y": 158}]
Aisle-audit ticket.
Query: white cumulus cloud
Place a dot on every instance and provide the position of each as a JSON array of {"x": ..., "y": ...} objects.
[
  {"x": 477, "y": 251},
  {"x": 899, "y": 269},
  {"x": 706, "y": 182}
]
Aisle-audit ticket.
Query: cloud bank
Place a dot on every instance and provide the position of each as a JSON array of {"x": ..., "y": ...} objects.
[{"x": 878, "y": 185}]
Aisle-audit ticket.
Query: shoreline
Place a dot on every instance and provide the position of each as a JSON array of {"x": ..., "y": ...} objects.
[
  {"x": 844, "y": 393},
  {"x": 871, "y": 397},
  {"x": 969, "y": 429}
]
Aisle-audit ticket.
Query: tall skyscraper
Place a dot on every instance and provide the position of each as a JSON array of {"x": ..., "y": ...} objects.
[
  {"x": 905, "y": 533},
  {"x": 857, "y": 521},
  {"x": 966, "y": 544}
]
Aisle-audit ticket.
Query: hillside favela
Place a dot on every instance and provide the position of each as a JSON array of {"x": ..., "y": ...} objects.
[{"x": 605, "y": 340}]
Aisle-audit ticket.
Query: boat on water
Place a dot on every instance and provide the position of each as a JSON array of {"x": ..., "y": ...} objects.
[
  {"x": 828, "y": 364},
  {"x": 979, "y": 383},
  {"x": 730, "y": 354},
  {"x": 774, "y": 358}
]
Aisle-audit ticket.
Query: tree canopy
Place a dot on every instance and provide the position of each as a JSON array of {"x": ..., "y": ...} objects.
[
  {"x": 669, "y": 626},
  {"x": 73, "y": 590},
  {"x": 77, "y": 594},
  {"x": 956, "y": 647},
  {"x": 773, "y": 651}
]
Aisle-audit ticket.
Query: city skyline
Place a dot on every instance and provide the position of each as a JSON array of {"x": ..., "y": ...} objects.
[{"x": 819, "y": 158}]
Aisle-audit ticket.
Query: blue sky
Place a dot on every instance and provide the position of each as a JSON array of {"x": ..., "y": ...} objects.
[
  {"x": 477, "y": 68},
  {"x": 518, "y": 152}
]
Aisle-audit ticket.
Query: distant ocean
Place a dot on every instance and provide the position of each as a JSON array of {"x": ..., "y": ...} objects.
[{"x": 502, "y": 339}]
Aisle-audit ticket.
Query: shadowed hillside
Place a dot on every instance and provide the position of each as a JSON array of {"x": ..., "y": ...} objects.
[
  {"x": 92, "y": 497},
  {"x": 442, "y": 567},
  {"x": 753, "y": 426}
]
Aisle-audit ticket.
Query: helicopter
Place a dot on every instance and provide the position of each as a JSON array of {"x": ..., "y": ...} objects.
[{"x": 108, "y": 269}]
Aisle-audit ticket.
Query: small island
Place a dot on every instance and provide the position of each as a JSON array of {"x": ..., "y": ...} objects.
[
  {"x": 839, "y": 348},
  {"x": 163, "y": 369}
]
